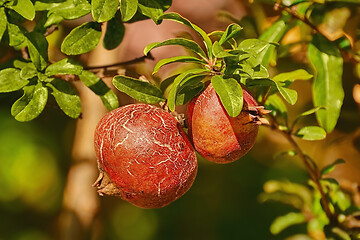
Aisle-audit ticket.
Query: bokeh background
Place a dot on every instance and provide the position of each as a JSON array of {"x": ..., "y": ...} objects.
[{"x": 47, "y": 166}]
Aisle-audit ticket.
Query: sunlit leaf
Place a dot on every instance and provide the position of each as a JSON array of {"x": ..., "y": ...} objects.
[
  {"x": 28, "y": 72},
  {"x": 329, "y": 168},
  {"x": 16, "y": 35},
  {"x": 273, "y": 34},
  {"x": 299, "y": 74},
  {"x": 10, "y": 80},
  {"x": 64, "y": 66},
  {"x": 327, "y": 86},
  {"x": 82, "y": 39},
  {"x": 193, "y": 46},
  {"x": 3, "y": 22},
  {"x": 177, "y": 82},
  {"x": 184, "y": 59},
  {"x": 151, "y": 9},
  {"x": 176, "y": 17},
  {"x": 25, "y": 8},
  {"x": 66, "y": 97},
  {"x": 71, "y": 9},
  {"x": 103, "y": 10},
  {"x": 219, "y": 52},
  {"x": 283, "y": 222},
  {"x": 231, "y": 31},
  {"x": 288, "y": 94},
  {"x": 31, "y": 104},
  {"x": 38, "y": 45},
  {"x": 128, "y": 9},
  {"x": 230, "y": 94},
  {"x": 139, "y": 90},
  {"x": 311, "y": 133}
]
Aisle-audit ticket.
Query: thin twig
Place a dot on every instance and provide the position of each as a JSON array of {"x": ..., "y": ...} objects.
[
  {"x": 133, "y": 61},
  {"x": 314, "y": 174}
]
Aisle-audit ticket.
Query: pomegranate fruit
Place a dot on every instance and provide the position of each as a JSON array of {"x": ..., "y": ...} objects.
[
  {"x": 144, "y": 156},
  {"x": 217, "y": 136}
]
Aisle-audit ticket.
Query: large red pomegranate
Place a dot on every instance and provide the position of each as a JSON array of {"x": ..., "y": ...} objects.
[
  {"x": 144, "y": 156},
  {"x": 217, "y": 136}
]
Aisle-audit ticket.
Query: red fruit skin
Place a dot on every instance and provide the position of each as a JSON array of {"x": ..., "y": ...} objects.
[
  {"x": 217, "y": 136},
  {"x": 146, "y": 154}
]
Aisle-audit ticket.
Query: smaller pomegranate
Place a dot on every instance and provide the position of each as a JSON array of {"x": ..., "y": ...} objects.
[
  {"x": 217, "y": 136},
  {"x": 144, "y": 156}
]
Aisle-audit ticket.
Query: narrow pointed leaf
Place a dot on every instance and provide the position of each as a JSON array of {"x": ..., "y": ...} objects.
[
  {"x": 66, "y": 97},
  {"x": 38, "y": 46},
  {"x": 178, "y": 18},
  {"x": 311, "y": 133},
  {"x": 3, "y": 22},
  {"x": 184, "y": 59},
  {"x": 283, "y": 222},
  {"x": 10, "y": 80},
  {"x": 64, "y": 66},
  {"x": 128, "y": 9},
  {"x": 193, "y": 46},
  {"x": 171, "y": 101},
  {"x": 114, "y": 35},
  {"x": 188, "y": 92},
  {"x": 230, "y": 94},
  {"x": 82, "y": 39},
  {"x": 299, "y": 74},
  {"x": 329, "y": 168},
  {"x": 108, "y": 97},
  {"x": 231, "y": 31},
  {"x": 139, "y": 90},
  {"x": 167, "y": 82},
  {"x": 273, "y": 34},
  {"x": 25, "y": 8},
  {"x": 103, "y": 10},
  {"x": 327, "y": 87},
  {"x": 31, "y": 104}
]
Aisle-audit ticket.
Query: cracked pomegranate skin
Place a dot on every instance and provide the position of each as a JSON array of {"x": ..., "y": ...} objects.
[
  {"x": 217, "y": 136},
  {"x": 145, "y": 152}
]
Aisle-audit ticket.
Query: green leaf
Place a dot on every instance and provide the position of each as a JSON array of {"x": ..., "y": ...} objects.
[
  {"x": 273, "y": 34},
  {"x": 307, "y": 113},
  {"x": 283, "y": 222},
  {"x": 103, "y": 10},
  {"x": 231, "y": 31},
  {"x": 20, "y": 64},
  {"x": 311, "y": 133},
  {"x": 230, "y": 94},
  {"x": 329, "y": 168},
  {"x": 193, "y": 46},
  {"x": 178, "y": 81},
  {"x": 151, "y": 9},
  {"x": 189, "y": 91},
  {"x": 10, "y": 80},
  {"x": 343, "y": 235},
  {"x": 66, "y": 97},
  {"x": 254, "y": 47},
  {"x": 96, "y": 85},
  {"x": 72, "y": 9},
  {"x": 31, "y": 104},
  {"x": 64, "y": 66},
  {"x": 38, "y": 46},
  {"x": 25, "y": 8},
  {"x": 288, "y": 94},
  {"x": 219, "y": 52},
  {"x": 277, "y": 106},
  {"x": 128, "y": 9},
  {"x": 139, "y": 90},
  {"x": 299, "y": 74},
  {"x": 3, "y": 22},
  {"x": 167, "y": 82},
  {"x": 28, "y": 72},
  {"x": 178, "y": 18},
  {"x": 184, "y": 59},
  {"x": 16, "y": 36},
  {"x": 327, "y": 87},
  {"x": 114, "y": 35},
  {"x": 82, "y": 39}
]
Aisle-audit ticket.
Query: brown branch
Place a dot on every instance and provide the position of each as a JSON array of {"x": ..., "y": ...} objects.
[
  {"x": 50, "y": 30},
  {"x": 133, "y": 61},
  {"x": 277, "y": 6},
  {"x": 313, "y": 172}
]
